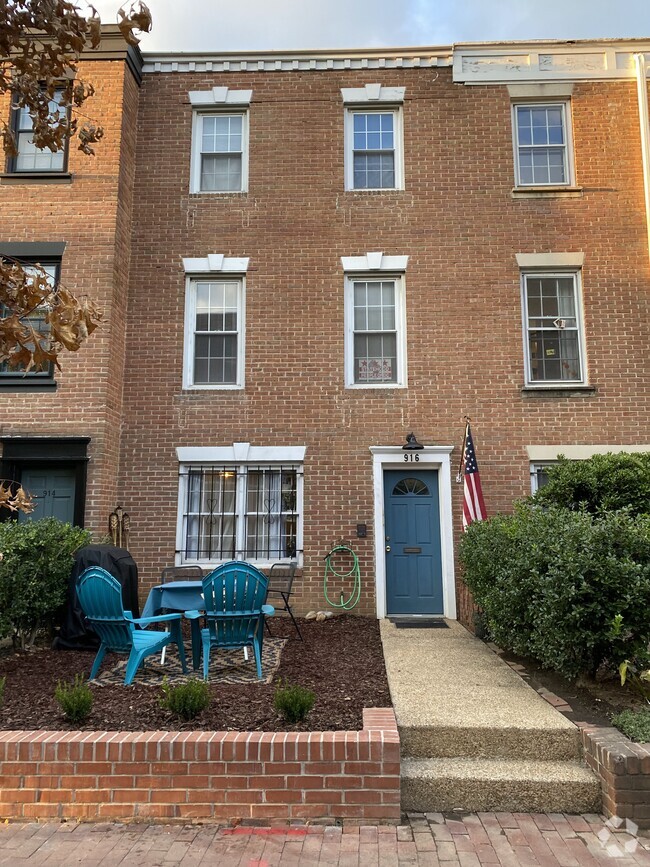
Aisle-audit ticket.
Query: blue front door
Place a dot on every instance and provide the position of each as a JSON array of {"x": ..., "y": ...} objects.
[
  {"x": 53, "y": 491},
  {"x": 412, "y": 542}
]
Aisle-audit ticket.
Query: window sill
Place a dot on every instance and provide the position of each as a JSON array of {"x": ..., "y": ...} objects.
[
  {"x": 26, "y": 385},
  {"x": 559, "y": 192},
  {"x": 375, "y": 192},
  {"x": 12, "y": 178},
  {"x": 380, "y": 386},
  {"x": 224, "y": 194},
  {"x": 558, "y": 390}
]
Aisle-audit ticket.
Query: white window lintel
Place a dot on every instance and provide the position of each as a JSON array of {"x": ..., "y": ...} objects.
[
  {"x": 217, "y": 97},
  {"x": 374, "y": 262},
  {"x": 550, "y": 90},
  {"x": 240, "y": 453},
  {"x": 216, "y": 263},
  {"x": 579, "y": 452},
  {"x": 550, "y": 260},
  {"x": 372, "y": 93}
]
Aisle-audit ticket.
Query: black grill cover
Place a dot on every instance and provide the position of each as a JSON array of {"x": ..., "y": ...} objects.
[{"x": 75, "y": 634}]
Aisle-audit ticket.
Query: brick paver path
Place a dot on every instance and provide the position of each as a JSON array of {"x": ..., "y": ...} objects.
[{"x": 468, "y": 840}]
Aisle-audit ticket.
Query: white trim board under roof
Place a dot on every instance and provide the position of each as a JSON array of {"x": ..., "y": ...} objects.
[
  {"x": 288, "y": 61},
  {"x": 539, "y": 61},
  {"x": 473, "y": 62}
]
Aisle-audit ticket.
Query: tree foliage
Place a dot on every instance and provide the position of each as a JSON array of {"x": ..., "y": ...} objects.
[{"x": 41, "y": 42}]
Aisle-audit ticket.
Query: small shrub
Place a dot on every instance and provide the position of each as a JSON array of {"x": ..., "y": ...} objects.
[
  {"x": 187, "y": 700},
  {"x": 293, "y": 702},
  {"x": 34, "y": 573},
  {"x": 3, "y": 680},
  {"x": 75, "y": 699},
  {"x": 634, "y": 724}
]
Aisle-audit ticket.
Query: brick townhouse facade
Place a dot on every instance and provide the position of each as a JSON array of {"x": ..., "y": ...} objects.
[{"x": 304, "y": 257}]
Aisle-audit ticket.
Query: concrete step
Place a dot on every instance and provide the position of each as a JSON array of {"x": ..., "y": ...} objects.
[
  {"x": 512, "y": 785},
  {"x": 497, "y": 741}
]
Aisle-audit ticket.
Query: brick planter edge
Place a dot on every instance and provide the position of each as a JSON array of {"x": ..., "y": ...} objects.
[
  {"x": 624, "y": 771},
  {"x": 197, "y": 775}
]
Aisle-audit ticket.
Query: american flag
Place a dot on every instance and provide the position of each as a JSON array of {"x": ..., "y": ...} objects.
[{"x": 473, "y": 503}]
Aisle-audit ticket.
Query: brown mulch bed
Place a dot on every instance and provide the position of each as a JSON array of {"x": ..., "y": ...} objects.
[{"x": 340, "y": 659}]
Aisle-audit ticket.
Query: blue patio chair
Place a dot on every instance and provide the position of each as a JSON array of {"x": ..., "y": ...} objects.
[
  {"x": 100, "y": 595},
  {"x": 234, "y": 610}
]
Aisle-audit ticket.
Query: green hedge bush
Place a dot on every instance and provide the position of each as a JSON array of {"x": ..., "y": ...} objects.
[
  {"x": 34, "y": 572},
  {"x": 551, "y": 583},
  {"x": 604, "y": 483}
]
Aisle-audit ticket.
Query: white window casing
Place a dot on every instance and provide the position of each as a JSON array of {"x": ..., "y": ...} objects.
[
  {"x": 375, "y": 321},
  {"x": 543, "y": 142},
  {"x": 553, "y": 326},
  {"x": 373, "y": 138},
  {"x": 220, "y": 136},
  {"x": 240, "y": 502},
  {"x": 215, "y": 317}
]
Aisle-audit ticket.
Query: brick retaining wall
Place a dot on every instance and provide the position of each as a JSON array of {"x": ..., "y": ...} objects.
[
  {"x": 624, "y": 771},
  {"x": 203, "y": 775}
]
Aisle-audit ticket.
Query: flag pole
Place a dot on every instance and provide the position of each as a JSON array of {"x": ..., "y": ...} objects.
[{"x": 459, "y": 474}]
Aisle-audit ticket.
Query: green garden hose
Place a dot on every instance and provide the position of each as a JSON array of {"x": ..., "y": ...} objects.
[{"x": 353, "y": 572}]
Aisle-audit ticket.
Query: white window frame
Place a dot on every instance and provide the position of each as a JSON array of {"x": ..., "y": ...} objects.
[
  {"x": 216, "y": 268},
  {"x": 218, "y": 100},
  {"x": 241, "y": 457},
  {"x": 535, "y": 467},
  {"x": 576, "y": 274},
  {"x": 565, "y": 106},
  {"x": 398, "y": 145}
]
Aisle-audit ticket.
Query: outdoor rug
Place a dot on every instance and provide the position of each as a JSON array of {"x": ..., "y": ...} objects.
[{"x": 226, "y": 666}]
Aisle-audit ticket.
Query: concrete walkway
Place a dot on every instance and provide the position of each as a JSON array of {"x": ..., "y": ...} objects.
[
  {"x": 474, "y": 735},
  {"x": 465, "y": 840}
]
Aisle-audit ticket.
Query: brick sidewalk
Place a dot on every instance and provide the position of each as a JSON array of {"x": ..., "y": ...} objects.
[{"x": 469, "y": 840}]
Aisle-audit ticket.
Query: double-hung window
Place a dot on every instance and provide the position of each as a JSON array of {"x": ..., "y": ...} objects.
[
  {"x": 214, "y": 322},
  {"x": 553, "y": 328},
  {"x": 219, "y": 161},
  {"x": 375, "y": 320},
  {"x": 542, "y": 133},
  {"x": 39, "y": 374},
  {"x": 374, "y": 158},
  {"x": 241, "y": 510},
  {"x": 29, "y": 157}
]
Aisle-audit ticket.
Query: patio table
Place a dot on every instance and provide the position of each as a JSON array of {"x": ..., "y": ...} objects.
[{"x": 179, "y": 596}]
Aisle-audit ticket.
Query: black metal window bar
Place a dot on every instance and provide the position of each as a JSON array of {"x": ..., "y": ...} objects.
[{"x": 217, "y": 501}]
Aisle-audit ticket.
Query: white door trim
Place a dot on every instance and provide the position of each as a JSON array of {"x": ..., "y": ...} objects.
[{"x": 430, "y": 458}]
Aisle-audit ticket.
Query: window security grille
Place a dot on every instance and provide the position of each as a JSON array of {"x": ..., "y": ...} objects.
[{"x": 240, "y": 512}]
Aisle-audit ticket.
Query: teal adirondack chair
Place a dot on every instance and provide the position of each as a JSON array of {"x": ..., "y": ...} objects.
[
  {"x": 235, "y": 595},
  {"x": 100, "y": 595}
]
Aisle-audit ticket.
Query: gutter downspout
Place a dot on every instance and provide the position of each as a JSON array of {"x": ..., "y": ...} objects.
[{"x": 642, "y": 93}]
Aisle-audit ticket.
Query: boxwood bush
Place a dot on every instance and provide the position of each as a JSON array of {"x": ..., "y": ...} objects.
[
  {"x": 34, "y": 572},
  {"x": 552, "y": 581}
]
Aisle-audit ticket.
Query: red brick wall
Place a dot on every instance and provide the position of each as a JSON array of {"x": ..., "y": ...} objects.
[
  {"x": 203, "y": 775},
  {"x": 624, "y": 771},
  {"x": 93, "y": 216},
  {"x": 461, "y": 228}
]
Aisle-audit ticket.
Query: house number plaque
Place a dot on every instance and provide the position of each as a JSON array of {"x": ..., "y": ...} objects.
[{"x": 412, "y": 457}]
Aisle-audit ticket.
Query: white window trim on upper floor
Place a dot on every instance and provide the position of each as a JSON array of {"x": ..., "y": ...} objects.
[
  {"x": 553, "y": 265},
  {"x": 215, "y": 266},
  {"x": 544, "y": 96},
  {"x": 209, "y": 103},
  {"x": 375, "y": 267},
  {"x": 374, "y": 99}
]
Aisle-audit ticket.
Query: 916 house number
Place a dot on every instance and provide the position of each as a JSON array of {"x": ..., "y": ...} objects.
[{"x": 412, "y": 457}]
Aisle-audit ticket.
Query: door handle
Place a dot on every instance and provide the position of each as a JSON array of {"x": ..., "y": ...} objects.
[{"x": 387, "y": 547}]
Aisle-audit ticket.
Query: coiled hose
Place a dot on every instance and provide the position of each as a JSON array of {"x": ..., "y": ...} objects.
[{"x": 354, "y": 573}]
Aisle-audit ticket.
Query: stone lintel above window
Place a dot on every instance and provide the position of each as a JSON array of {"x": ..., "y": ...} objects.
[
  {"x": 372, "y": 93},
  {"x": 216, "y": 263},
  {"x": 374, "y": 262},
  {"x": 218, "y": 97}
]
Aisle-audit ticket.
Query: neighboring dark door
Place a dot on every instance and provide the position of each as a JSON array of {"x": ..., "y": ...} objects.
[
  {"x": 53, "y": 489},
  {"x": 412, "y": 534}
]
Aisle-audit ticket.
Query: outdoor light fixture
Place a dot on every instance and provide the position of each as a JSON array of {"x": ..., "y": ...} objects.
[{"x": 412, "y": 445}]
